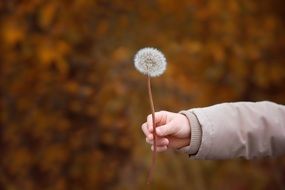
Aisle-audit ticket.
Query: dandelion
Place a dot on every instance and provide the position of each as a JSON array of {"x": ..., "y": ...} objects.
[{"x": 152, "y": 63}]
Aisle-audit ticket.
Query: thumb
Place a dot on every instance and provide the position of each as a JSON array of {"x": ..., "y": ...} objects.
[{"x": 166, "y": 129}]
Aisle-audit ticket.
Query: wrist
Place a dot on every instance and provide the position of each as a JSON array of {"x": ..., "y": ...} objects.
[
  {"x": 195, "y": 134},
  {"x": 186, "y": 127}
]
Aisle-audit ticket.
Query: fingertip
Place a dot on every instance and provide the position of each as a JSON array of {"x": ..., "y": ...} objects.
[
  {"x": 162, "y": 149},
  {"x": 165, "y": 130},
  {"x": 147, "y": 140},
  {"x": 166, "y": 141},
  {"x": 159, "y": 131},
  {"x": 159, "y": 148}
]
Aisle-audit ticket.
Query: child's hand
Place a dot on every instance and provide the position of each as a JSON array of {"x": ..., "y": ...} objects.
[{"x": 173, "y": 130}]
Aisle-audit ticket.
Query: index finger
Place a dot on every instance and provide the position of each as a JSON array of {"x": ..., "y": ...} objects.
[
  {"x": 145, "y": 130},
  {"x": 160, "y": 119}
]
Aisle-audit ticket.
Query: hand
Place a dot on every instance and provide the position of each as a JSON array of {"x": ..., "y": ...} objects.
[{"x": 173, "y": 130}]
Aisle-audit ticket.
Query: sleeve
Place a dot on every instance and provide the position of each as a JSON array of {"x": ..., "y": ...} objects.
[{"x": 243, "y": 129}]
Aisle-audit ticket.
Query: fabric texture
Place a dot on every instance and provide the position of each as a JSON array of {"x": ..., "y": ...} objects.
[{"x": 242, "y": 129}]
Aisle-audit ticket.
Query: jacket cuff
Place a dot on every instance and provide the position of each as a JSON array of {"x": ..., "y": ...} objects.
[{"x": 196, "y": 134}]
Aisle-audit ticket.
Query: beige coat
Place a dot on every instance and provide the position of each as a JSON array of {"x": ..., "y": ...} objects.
[{"x": 232, "y": 130}]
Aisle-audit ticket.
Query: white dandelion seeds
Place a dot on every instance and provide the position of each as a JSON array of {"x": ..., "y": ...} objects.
[{"x": 150, "y": 61}]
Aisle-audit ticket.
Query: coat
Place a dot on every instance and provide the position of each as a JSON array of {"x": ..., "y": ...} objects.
[{"x": 232, "y": 130}]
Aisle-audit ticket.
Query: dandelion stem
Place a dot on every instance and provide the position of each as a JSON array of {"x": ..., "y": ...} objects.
[{"x": 154, "y": 130}]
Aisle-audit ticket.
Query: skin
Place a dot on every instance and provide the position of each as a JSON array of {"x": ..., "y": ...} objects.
[{"x": 173, "y": 130}]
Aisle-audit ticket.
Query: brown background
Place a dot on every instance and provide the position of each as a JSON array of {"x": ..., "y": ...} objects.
[{"x": 72, "y": 102}]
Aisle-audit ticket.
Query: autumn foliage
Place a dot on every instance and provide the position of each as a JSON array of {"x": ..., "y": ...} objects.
[{"x": 72, "y": 102}]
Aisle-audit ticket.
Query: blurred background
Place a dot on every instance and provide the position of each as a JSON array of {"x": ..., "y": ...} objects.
[{"x": 72, "y": 102}]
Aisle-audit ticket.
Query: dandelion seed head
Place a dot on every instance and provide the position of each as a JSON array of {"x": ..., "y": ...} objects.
[{"x": 150, "y": 61}]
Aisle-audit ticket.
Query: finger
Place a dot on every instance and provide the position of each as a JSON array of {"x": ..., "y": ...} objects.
[
  {"x": 149, "y": 123},
  {"x": 159, "y": 142},
  {"x": 145, "y": 130},
  {"x": 150, "y": 137},
  {"x": 178, "y": 143},
  {"x": 160, "y": 119},
  {"x": 167, "y": 129},
  {"x": 159, "y": 148}
]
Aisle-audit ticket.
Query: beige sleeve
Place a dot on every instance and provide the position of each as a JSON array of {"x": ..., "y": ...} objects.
[{"x": 243, "y": 129}]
